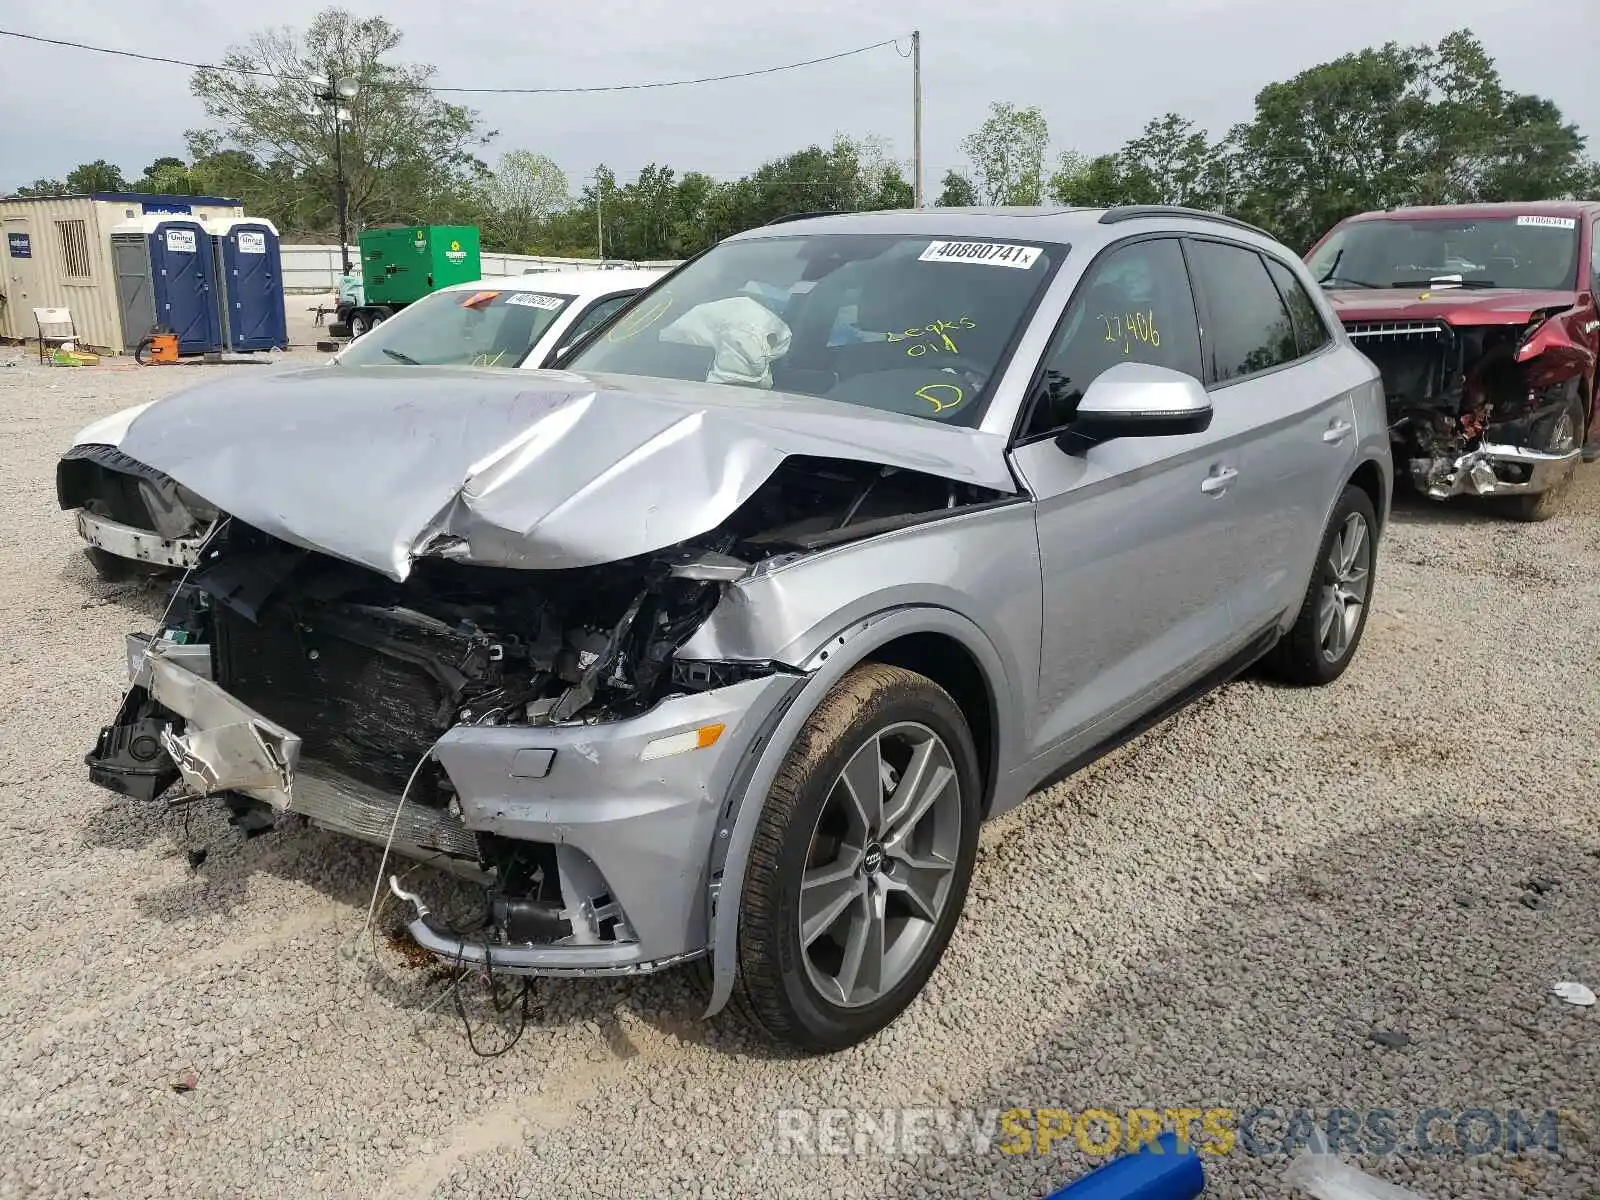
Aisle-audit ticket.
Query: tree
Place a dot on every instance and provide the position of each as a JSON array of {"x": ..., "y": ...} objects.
[
  {"x": 1097, "y": 182},
  {"x": 404, "y": 148},
  {"x": 524, "y": 190},
  {"x": 1398, "y": 125},
  {"x": 1007, "y": 153},
  {"x": 98, "y": 176},
  {"x": 956, "y": 191},
  {"x": 42, "y": 187}
]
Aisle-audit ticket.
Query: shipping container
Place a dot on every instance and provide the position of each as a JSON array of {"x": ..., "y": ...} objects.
[{"x": 56, "y": 253}]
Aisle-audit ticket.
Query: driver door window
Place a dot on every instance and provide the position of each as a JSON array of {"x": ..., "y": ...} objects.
[{"x": 1133, "y": 305}]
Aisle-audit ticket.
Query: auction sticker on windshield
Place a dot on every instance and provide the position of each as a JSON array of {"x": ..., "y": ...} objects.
[
  {"x": 987, "y": 254},
  {"x": 535, "y": 300},
  {"x": 1550, "y": 222}
]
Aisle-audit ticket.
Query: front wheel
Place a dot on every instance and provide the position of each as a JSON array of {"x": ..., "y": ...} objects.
[
  {"x": 359, "y": 323},
  {"x": 1333, "y": 615},
  {"x": 1563, "y": 434},
  {"x": 861, "y": 862}
]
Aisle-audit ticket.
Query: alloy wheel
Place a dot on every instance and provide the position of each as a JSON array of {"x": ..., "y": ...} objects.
[
  {"x": 1347, "y": 576},
  {"x": 880, "y": 864}
]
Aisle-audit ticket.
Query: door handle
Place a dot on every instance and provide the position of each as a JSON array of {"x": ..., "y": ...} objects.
[
  {"x": 1218, "y": 481},
  {"x": 1335, "y": 433}
]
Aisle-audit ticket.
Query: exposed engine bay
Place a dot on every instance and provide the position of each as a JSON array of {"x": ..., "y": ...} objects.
[
  {"x": 339, "y": 683},
  {"x": 1475, "y": 408}
]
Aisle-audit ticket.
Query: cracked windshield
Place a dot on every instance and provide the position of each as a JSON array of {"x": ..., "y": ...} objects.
[
  {"x": 905, "y": 324},
  {"x": 487, "y": 328},
  {"x": 1527, "y": 251}
]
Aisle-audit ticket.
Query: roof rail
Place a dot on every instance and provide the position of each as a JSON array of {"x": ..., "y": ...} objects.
[
  {"x": 806, "y": 216},
  {"x": 1132, "y": 212}
]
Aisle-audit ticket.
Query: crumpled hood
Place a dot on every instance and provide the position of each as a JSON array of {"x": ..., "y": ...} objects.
[
  {"x": 533, "y": 469},
  {"x": 1458, "y": 306}
]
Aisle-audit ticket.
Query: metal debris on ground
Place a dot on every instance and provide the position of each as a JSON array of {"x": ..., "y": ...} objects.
[
  {"x": 1574, "y": 993},
  {"x": 1324, "y": 1175},
  {"x": 186, "y": 1080}
]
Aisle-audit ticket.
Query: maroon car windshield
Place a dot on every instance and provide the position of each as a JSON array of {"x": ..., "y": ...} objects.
[{"x": 1533, "y": 252}]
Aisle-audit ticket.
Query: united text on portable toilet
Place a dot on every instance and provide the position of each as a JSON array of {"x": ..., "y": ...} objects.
[
  {"x": 167, "y": 280},
  {"x": 250, "y": 272}
]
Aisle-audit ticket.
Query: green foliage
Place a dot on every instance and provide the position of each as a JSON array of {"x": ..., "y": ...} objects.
[
  {"x": 956, "y": 191},
  {"x": 42, "y": 187},
  {"x": 1008, "y": 152},
  {"x": 98, "y": 176},
  {"x": 404, "y": 149}
]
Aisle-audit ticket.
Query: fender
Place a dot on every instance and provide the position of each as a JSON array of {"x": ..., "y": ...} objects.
[{"x": 828, "y": 664}]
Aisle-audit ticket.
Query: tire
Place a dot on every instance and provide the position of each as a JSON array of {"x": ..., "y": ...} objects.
[
  {"x": 781, "y": 977},
  {"x": 111, "y": 569},
  {"x": 360, "y": 322},
  {"x": 1305, "y": 656},
  {"x": 1558, "y": 437}
]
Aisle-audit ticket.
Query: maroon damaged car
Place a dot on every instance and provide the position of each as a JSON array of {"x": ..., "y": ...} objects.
[{"x": 1483, "y": 321}]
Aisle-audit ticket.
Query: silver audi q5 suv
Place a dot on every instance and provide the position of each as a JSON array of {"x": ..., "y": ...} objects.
[{"x": 719, "y": 641}]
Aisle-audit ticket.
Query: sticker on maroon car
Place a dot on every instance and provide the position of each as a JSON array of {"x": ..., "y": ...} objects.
[{"x": 1550, "y": 222}]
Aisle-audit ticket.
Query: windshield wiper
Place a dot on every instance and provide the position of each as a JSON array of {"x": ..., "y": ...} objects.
[
  {"x": 398, "y": 357},
  {"x": 1442, "y": 284},
  {"x": 1336, "y": 280}
]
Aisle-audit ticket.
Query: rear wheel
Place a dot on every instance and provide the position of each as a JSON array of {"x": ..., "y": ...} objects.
[
  {"x": 861, "y": 862},
  {"x": 1561, "y": 433},
  {"x": 1333, "y": 615},
  {"x": 360, "y": 322}
]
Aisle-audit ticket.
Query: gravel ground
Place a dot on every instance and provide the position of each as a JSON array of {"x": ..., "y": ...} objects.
[{"x": 1220, "y": 915}]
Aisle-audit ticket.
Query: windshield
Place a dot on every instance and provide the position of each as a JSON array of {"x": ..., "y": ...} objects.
[
  {"x": 906, "y": 324},
  {"x": 1527, "y": 252},
  {"x": 486, "y": 328}
]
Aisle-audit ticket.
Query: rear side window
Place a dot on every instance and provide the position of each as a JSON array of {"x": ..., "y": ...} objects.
[
  {"x": 1248, "y": 328},
  {"x": 1310, "y": 332},
  {"x": 1132, "y": 305}
]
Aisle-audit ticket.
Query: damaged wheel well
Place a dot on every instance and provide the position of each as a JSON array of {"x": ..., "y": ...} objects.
[
  {"x": 1370, "y": 480},
  {"x": 949, "y": 664}
]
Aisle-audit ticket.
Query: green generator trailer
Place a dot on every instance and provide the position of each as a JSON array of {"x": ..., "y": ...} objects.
[{"x": 402, "y": 264}]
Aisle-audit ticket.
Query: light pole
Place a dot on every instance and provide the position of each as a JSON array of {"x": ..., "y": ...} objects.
[{"x": 332, "y": 90}]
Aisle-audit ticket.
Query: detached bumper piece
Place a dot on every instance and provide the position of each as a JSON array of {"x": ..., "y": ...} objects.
[{"x": 1492, "y": 470}]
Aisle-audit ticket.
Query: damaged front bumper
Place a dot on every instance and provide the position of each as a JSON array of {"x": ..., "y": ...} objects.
[
  {"x": 624, "y": 813},
  {"x": 140, "y": 545},
  {"x": 1492, "y": 469}
]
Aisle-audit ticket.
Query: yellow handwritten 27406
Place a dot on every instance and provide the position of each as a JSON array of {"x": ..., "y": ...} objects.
[
  {"x": 1131, "y": 328},
  {"x": 938, "y": 337}
]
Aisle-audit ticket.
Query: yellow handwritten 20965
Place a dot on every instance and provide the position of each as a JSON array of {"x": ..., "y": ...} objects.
[
  {"x": 937, "y": 335},
  {"x": 1131, "y": 328}
]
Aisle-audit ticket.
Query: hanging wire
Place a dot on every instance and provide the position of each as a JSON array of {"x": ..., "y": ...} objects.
[{"x": 483, "y": 91}]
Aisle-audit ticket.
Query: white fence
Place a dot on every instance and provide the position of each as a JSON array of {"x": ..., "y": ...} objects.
[{"x": 309, "y": 269}]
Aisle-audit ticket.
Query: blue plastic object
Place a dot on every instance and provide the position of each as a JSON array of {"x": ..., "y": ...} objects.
[
  {"x": 183, "y": 278},
  {"x": 1169, "y": 1174},
  {"x": 251, "y": 274}
]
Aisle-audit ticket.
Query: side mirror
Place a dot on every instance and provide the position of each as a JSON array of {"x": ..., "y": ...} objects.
[{"x": 1135, "y": 399}]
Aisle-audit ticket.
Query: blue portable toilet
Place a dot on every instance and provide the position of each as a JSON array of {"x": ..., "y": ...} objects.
[
  {"x": 167, "y": 279},
  {"x": 250, "y": 269}
]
